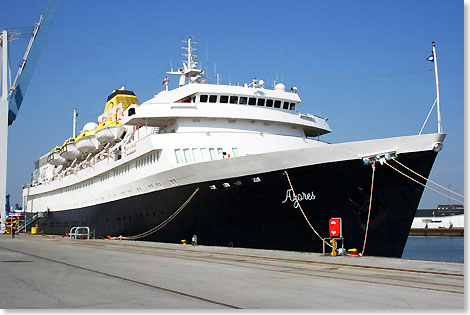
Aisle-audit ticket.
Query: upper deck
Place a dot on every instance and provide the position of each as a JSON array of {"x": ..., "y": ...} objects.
[{"x": 211, "y": 101}]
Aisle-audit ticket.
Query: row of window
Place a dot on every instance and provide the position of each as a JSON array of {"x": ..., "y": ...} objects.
[
  {"x": 244, "y": 100},
  {"x": 236, "y": 183},
  {"x": 147, "y": 159},
  {"x": 86, "y": 185},
  {"x": 195, "y": 155}
]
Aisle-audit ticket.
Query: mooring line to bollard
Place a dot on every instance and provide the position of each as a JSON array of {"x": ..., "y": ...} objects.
[
  {"x": 161, "y": 225},
  {"x": 370, "y": 208}
]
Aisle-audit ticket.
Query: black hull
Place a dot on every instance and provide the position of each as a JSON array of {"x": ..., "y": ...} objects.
[{"x": 253, "y": 215}]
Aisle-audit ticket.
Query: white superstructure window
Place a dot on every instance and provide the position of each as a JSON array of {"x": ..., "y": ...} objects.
[
  {"x": 179, "y": 157},
  {"x": 196, "y": 155},
  {"x": 235, "y": 152},
  {"x": 205, "y": 154},
  {"x": 212, "y": 153},
  {"x": 187, "y": 156}
]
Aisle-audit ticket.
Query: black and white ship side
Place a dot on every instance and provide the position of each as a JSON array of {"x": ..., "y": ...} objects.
[{"x": 231, "y": 148}]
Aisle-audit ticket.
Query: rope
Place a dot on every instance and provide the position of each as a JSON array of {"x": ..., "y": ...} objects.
[
  {"x": 161, "y": 225},
  {"x": 300, "y": 207},
  {"x": 459, "y": 201},
  {"x": 453, "y": 192},
  {"x": 370, "y": 208},
  {"x": 429, "y": 114}
]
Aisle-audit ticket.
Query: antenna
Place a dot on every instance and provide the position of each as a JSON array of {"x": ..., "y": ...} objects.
[
  {"x": 207, "y": 52},
  {"x": 216, "y": 74}
]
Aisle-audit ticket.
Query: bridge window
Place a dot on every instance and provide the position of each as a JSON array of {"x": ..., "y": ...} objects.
[
  {"x": 261, "y": 101},
  {"x": 277, "y": 104},
  {"x": 292, "y": 106},
  {"x": 286, "y": 105},
  {"x": 243, "y": 100},
  {"x": 252, "y": 101},
  {"x": 203, "y": 98},
  {"x": 223, "y": 98},
  {"x": 233, "y": 99},
  {"x": 269, "y": 103},
  {"x": 213, "y": 99}
]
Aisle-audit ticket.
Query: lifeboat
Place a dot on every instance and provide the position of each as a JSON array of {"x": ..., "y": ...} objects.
[
  {"x": 109, "y": 132},
  {"x": 69, "y": 151},
  {"x": 54, "y": 157},
  {"x": 86, "y": 142}
]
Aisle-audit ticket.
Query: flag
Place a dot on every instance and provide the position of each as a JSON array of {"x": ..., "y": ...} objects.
[
  {"x": 165, "y": 81},
  {"x": 430, "y": 58}
]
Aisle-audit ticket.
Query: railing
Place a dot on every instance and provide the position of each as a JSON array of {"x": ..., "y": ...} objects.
[
  {"x": 78, "y": 232},
  {"x": 28, "y": 222}
]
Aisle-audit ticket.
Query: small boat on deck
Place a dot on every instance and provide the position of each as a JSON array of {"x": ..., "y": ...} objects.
[
  {"x": 69, "y": 150},
  {"x": 55, "y": 158},
  {"x": 110, "y": 132}
]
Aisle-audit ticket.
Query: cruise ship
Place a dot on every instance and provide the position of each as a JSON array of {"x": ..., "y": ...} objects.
[{"x": 235, "y": 165}]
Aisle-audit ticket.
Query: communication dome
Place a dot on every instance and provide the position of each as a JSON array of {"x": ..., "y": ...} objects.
[
  {"x": 280, "y": 87},
  {"x": 89, "y": 126}
]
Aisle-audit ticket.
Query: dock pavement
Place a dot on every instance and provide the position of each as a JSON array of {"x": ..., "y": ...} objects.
[{"x": 44, "y": 272}]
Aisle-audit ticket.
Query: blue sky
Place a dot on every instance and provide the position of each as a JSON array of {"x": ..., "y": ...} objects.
[{"x": 360, "y": 63}]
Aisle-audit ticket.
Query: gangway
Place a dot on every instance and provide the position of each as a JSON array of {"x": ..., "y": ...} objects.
[{"x": 24, "y": 225}]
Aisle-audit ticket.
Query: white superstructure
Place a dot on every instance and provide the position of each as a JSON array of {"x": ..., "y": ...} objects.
[{"x": 190, "y": 125}]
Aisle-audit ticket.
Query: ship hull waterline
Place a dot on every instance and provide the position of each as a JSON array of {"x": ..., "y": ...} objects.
[{"x": 262, "y": 214}]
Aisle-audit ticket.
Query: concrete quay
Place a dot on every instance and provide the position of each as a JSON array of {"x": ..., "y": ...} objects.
[{"x": 41, "y": 272}]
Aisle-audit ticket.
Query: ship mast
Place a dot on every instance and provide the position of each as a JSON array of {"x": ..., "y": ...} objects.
[
  {"x": 189, "y": 69},
  {"x": 439, "y": 121}
]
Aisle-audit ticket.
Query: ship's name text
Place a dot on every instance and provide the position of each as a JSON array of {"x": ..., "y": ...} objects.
[{"x": 302, "y": 196}]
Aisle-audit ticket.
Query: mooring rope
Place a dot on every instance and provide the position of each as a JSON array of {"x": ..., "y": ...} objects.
[
  {"x": 370, "y": 208},
  {"x": 409, "y": 169},
  {"x": 303, "y": 213},
  {"x": 161, "y": 225},
  {"x": 424, "y": 185}
]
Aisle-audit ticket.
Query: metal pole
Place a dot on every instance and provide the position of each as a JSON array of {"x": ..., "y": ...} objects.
[
  {"x": 3, "y": 128},
  {"x": 74, "y": 121},
  {"x": 439, "y": 122}
]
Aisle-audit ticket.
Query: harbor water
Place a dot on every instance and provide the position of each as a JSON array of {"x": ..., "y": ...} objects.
[{"x": 435, "y": 248}]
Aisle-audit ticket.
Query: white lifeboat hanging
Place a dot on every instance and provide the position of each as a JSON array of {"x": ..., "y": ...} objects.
[
  {"x": 110, "y": 132},
  {"x": 69, "y": 151},
  {"x": 86, "y": 142},
  {"x": 54, "y": 157}
]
